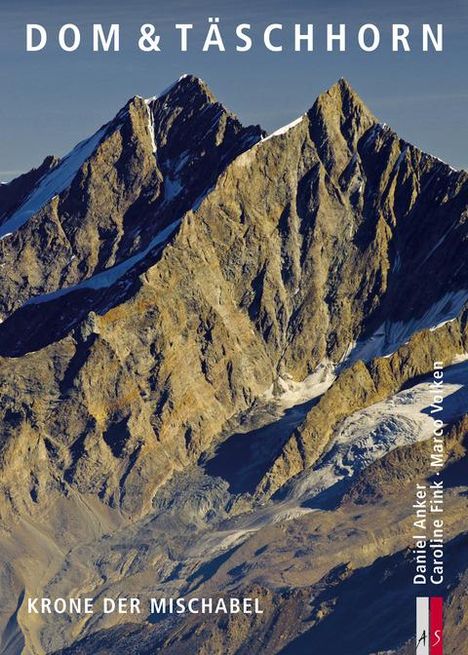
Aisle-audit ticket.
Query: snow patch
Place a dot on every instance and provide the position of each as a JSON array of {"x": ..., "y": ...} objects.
[
  {"x": 372, "y": 134},
  {"x": 181, "y": 161},
  {"x": 353, "y": 160},
  {"x": 283, "y": 130},
  {"x": 454, "y": 170},
  {"x": 361, "y": 439},
  {"x": 151, "y": 127},
  {"x": 371, "y": 433},
  {"x": 295, "y": 393},
  {"x": 391, "y": 335},
  {"x": 438, "y": 244},
  {"x": 111, "y": 275},
  {"x": 172, "y": 188},
  {"x": 165, "y": 91},
  {"x": 400, "y": 159},
  {"x": 53, "y": 183}
]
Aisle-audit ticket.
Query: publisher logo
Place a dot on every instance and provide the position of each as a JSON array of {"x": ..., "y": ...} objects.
[{"x": 429, "y": 620}]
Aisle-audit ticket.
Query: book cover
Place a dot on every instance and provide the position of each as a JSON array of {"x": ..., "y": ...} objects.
[{"x": 233, "y": 327}]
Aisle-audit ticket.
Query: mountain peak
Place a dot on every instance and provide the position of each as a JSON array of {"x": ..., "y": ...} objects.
[
  {"x": 344, "y": 84},
  {"x": 342, "y": 96},
  {"x": 339, "y": 115},
  {"x": 186, "y": 85}
]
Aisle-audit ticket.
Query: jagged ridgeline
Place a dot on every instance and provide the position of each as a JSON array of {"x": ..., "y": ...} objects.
[
  {"x": 162, "y": 277},
  {"x": 214, "y": 349}
]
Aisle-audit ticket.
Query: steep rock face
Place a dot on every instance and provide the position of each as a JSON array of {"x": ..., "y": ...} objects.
[
  {"x": 303, "y": 245},
  {"x": 13, "y": 194},
  {"x": 114, "y": 192},
  {"x": 309, "y": 254},
  {"x": 64, "y": 241}
]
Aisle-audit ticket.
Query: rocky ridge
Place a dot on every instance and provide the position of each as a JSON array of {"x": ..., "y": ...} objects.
[
  {"x": 304, "y": 245},
  {"x": 174, "y": 275}
]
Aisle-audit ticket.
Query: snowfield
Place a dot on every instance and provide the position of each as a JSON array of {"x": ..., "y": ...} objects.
[
  {"x": 362, "y": 438},
  {"x": 391, "y": 335},
  {"x": 53, "y": 183}
]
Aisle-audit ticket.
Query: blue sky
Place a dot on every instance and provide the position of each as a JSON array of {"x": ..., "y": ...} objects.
[{"x": 52, "y": 99}]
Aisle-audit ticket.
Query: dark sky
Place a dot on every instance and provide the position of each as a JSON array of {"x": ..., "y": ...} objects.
[{"x": 52, "y": 99}]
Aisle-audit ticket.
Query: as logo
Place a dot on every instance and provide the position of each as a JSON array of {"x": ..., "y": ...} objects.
[{"x": 429, "y": 625}]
